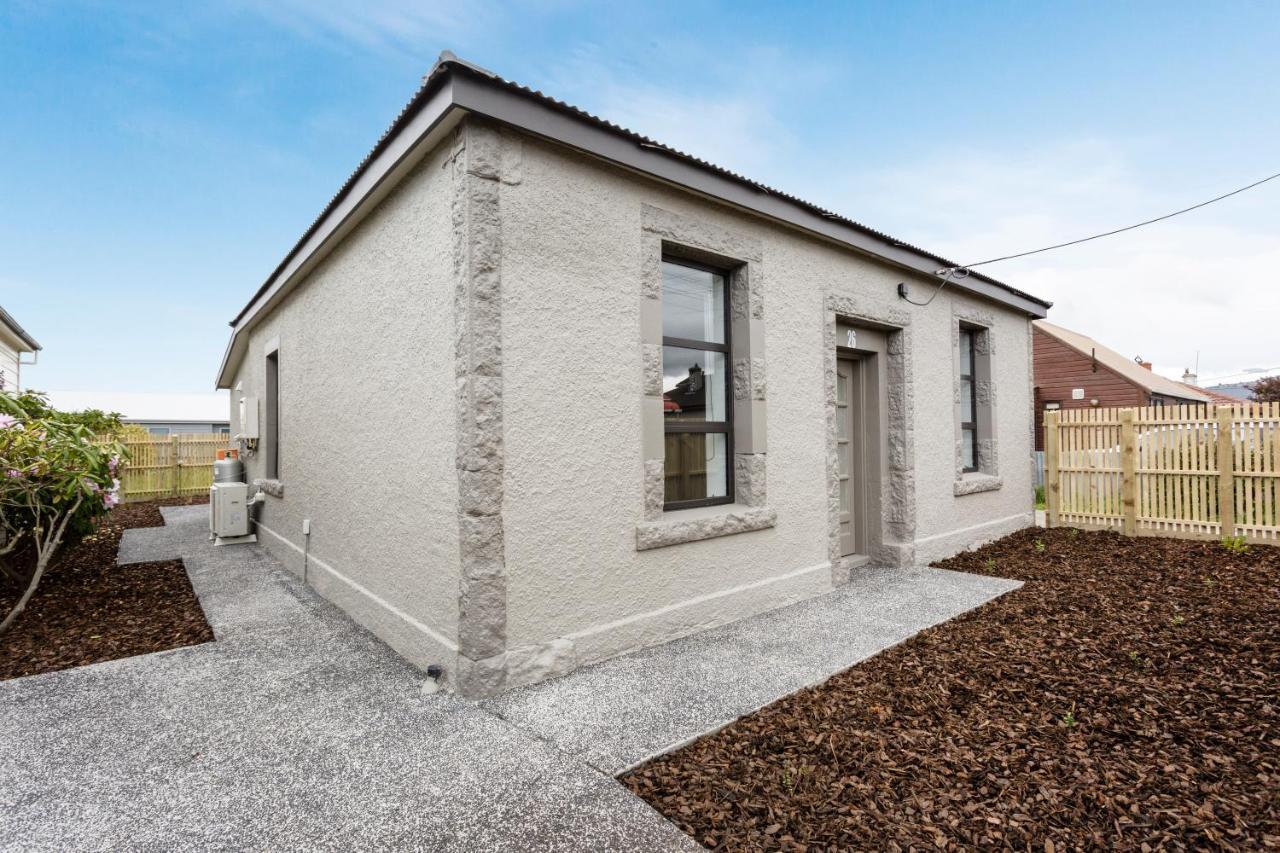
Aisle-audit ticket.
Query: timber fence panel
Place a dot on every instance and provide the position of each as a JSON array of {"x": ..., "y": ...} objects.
[
  {"x": 172, "y": 466},
  {"x": 1199, "y": 472}
]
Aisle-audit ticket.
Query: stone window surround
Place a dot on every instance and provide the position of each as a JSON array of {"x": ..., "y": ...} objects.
[
  {"x": 987, "y": 477},
  {"x": 672, "y": 234},
  {"x": 898, "y": 496}
]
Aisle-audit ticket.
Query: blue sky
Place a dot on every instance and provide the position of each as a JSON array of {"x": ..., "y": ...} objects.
[{"x": 157, "y": 160}]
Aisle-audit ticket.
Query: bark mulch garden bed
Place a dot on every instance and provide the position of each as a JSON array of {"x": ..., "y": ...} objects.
[
  {"x": 87, "y": 609},
  {"x": 1128, "y": 697}
]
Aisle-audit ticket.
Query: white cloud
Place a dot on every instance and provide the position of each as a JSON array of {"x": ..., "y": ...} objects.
[
  {"x": 1204, "y": 283},
  {"x": 406, "y": 27},
  {"x": 724, "y": 112}
]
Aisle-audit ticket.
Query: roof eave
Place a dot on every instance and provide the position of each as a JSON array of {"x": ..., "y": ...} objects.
[
  {"x": 424, "y": 126},
  {"x": 454, "y": 86},
  {"x": 19, "y": 332}
]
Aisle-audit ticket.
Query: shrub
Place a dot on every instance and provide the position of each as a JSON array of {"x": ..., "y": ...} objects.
[{"x": 56, "y": 477}]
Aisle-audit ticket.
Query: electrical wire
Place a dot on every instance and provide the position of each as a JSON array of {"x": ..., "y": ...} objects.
[
  {"x": 1127, "y": 227},
  {"x": 963, "y": 271}
]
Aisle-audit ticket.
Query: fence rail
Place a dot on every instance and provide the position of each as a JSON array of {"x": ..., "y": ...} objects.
[
  {"x": 1196, "y": 472},
  {"x": 174, "y": 466}
]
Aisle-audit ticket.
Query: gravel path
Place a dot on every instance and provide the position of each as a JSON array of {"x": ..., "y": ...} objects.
[{"x": 297, "y": 729}]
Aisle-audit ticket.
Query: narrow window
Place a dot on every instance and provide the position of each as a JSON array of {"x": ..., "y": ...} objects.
[
  {"x": 696, "y": 385},
  {"x": 271, "y": 449},
  {"x": 968, "y": 402},
  {"x": 159, "y": 432}
]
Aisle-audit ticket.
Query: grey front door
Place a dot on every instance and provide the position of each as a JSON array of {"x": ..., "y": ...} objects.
[{"x": 846, "y": 452}]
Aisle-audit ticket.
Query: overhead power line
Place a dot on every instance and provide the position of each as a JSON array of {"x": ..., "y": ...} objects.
[
  {"x": 961, "y": 272},
  {"x": 1126, "y": 228}
]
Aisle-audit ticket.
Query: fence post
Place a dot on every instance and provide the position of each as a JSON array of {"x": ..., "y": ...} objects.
[
  {"x": 1226, "y": 472},
  {"x": 175, "y": 465},
  {"x": 1051, "y": 467},
  {"x": 1128, "y": 473}
]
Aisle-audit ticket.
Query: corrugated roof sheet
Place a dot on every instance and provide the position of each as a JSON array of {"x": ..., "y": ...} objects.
[{"x": 448, "y": 63}]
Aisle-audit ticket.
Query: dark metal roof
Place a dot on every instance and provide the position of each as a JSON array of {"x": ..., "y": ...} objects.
[
  {"x": 448, "y": 64},
  {"x": 7, "y": 319}
]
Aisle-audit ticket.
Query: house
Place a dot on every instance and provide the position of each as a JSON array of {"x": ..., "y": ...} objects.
[
  {"x": 1073, "y": 371},
  {"x": 1216, "y": 397},
  {"x": 14, "y": 341},
  {"x": 1238, "y": 391},
  {"x": 760, "y": 411},
  {"x": 161, "y": 414}
]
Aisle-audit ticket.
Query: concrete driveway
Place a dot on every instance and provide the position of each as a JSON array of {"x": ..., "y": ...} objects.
[{"x": 297, "y": 729}]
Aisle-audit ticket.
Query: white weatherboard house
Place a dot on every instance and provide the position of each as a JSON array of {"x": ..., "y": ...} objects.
[
  {"x": 14, "y": 341},
  {"x": 544, "y": 391}
]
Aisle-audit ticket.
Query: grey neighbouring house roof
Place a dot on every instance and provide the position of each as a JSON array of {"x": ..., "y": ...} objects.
[
  {"x": 454, "y": 88},
  {"x": 7, "y": 319}
]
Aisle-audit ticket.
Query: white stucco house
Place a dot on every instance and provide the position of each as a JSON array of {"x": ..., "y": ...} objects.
[
  {"x": 544, "y": 391},
  {"x": 14, "y": 343}
]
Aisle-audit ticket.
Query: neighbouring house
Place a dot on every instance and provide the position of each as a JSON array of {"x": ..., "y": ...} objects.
[
  {"x": 161, "y": 414},
  {"x": 1073, "y": 371},
  {"x": 534, "y": 391},
  {"x": 14, "y": 342},
  {"x": 1238, "y": 392},
  {"x": 1216, "y": 397}
]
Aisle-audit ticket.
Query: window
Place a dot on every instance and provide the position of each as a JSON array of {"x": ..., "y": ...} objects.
[
  {"x": 271, "y": 446},
  {"x": 968, "y": 401},
  {"x": 158, "y": 432},
  {"x": 696, "y": 384}
]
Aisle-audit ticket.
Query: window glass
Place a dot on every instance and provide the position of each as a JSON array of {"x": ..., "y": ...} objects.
[
  {"x": 696, "y": 466},
  {"x": 693, "y": 384},
  {"x": 966, "y": 399},
  {"x": 158, "y": 431},
  {"x": 967, "y": 449},
  {"x": 692, "y": 304},
  {"x": 966, "y": 352}
]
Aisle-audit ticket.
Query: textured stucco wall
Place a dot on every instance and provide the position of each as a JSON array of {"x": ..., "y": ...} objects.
[
  {"x": 368, "y": 421},
  {"x": 578, "y": 589}
]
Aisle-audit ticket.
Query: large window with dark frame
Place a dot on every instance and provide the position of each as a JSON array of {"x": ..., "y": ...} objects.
[
  {"x": 696, "y": 384},
  {"x": 968, "y": 401}
]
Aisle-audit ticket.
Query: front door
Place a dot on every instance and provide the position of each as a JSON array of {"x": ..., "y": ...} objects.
[{"x": 847, "y": 452}]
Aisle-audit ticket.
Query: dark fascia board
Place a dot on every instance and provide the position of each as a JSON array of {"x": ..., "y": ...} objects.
[
  {"x": 400, "y": 150},
  {"x": 511, "y": 106},
  {"x": 454, "y": 87},
  {"x": 21, "y": 333}
]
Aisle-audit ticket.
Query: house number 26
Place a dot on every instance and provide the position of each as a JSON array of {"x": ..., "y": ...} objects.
[{"x": 851, "y": 336}]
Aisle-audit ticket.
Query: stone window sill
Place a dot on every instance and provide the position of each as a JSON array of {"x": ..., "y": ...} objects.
[
  {"x": 692, "y": 525},
  {"x": 275, "y": 488},
  {"x": 971, "y": 484}
]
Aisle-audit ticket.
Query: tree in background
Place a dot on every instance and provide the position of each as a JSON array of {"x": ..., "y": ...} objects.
[
  {"x": 1266, "y": 390},
  {"x": 57, "y": 474}
]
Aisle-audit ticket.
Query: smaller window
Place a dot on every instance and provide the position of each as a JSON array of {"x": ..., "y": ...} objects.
[
  {"x": 158, "y": 432},
  {"x": 968, "y": 402},
  {"x": 271, "y": 449}
]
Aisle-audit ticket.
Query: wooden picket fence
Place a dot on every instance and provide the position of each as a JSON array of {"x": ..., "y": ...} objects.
[
  {"x": 171, "y": 466},
  {"x": 1193, "y": 472}
]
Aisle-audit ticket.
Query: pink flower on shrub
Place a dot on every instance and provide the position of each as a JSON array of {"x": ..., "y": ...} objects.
[
  {"x": 13, "y": 473},
  {"x": 7, "y": 421},
  {"x": 115, "y": 460},
  {"x": 110, "y": 499}
]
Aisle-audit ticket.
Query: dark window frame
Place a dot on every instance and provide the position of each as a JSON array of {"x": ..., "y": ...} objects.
[
  {"x": 724, "y": 427},
  {"x": 271, "y": 454},
  {"x": 971, "y": 424}
]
